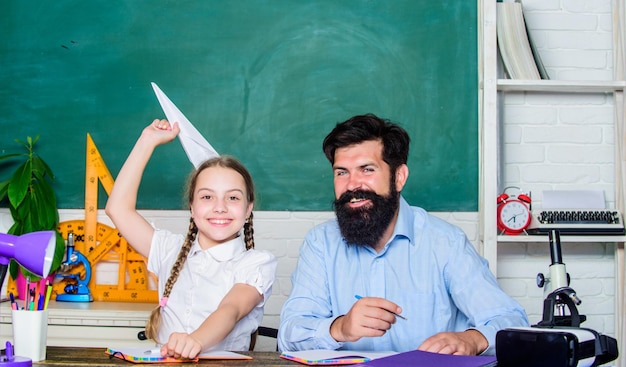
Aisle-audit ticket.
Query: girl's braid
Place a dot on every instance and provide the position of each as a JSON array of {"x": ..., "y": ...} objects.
[{"x": 152, "y": 326}]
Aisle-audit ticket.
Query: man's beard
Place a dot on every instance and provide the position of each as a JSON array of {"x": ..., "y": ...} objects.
[{"x": 366, "y": 225}]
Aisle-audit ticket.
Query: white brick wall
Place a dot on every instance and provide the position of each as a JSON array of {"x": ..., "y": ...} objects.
[{"x": 573, "y": 36}]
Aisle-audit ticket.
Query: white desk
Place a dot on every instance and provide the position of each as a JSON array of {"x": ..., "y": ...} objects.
[{"x": 88, "y": 324}]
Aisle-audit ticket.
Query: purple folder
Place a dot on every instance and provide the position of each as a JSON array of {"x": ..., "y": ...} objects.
[{"x": 418, "y": 358}]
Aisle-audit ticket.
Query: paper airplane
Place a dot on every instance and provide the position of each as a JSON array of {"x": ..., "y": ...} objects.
[{"x": 195, "y": 145}]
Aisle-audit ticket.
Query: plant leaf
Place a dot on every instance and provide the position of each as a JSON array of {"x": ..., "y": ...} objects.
[
  {"x": 32, "y": 201},
  {"x": 59, "y": 252},
  {"x": 43, "y": 216},
  {"x": 4, "y": 189},
  {"x": 22, "y": 210},
  {"x": 20, "y": 182},
  {"x": 15, "y": 217},
  {"x": 13, "y": 269},
  {"x": 49, "y": 205},
  {"x": 14, "y": 228},
  {"x": 8, "y": 156},
  {"x": 41, "y": 167}
]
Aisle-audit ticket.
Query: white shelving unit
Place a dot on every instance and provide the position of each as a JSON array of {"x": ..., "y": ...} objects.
[
  {"x": 491, "y": 87},
  {"x": 566, "y": 86},
  {"x": 489, "y": 127},
  {"x": 564, "y": 238}
]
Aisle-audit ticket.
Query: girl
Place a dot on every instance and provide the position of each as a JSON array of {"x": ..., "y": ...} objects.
[{"x": 212, "y": 284}]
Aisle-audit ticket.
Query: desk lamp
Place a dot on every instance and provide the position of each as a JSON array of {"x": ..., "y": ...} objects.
[{"x": 34, "y": 251}]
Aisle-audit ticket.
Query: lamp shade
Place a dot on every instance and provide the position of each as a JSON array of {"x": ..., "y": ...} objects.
[{"x": 34, "y": 251}]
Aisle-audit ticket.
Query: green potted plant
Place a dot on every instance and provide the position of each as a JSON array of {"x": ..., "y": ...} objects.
[{"x": 30, "y": 197}]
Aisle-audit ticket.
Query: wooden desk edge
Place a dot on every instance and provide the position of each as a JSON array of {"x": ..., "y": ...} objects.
[{"x": 86, "y": 357}]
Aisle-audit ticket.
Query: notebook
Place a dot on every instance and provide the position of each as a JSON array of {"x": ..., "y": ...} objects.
[
  {"x": 320, "y": 357},
  {"x": 146, "y": 355}
]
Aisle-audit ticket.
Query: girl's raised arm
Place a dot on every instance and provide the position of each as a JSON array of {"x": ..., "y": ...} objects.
[{"x": 121, "y": 206}]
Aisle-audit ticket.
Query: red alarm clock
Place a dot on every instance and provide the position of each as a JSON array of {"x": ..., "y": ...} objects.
[{"x": 513, "y": 216}]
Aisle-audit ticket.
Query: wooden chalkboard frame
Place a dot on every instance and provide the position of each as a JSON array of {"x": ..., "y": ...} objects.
[{"x": 263, "y": 81}]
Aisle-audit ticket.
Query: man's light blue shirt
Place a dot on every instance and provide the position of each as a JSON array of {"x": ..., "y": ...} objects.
[{"x": 429, "y": 268}]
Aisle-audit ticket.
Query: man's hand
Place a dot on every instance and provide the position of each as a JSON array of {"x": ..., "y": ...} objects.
[
  {"x": 181, "y": 345},
  {"x": 470, "y": 342},
  {"x": 369, "y": 316}
]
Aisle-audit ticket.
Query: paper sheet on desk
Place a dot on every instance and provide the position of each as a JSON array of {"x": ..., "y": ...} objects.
[
  {"x": 197, "y": 148},
  {"x": 573, "y": 199}
]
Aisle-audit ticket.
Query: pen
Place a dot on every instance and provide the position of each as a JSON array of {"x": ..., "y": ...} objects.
[
  {"x": 36, "y": 296},
  {"x": 27, "y": 294},
  {"x": 400, "y": 316},
  {"x": 48, "y": 293},
  {"x": 41, "y": 291},
  {"x": 13, "y": 303},
  {"x": 40, "y": 303},
  {"x": 31, "y": 299}
]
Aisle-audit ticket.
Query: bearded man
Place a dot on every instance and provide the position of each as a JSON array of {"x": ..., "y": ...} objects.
[{"x": 384, "y": 275}]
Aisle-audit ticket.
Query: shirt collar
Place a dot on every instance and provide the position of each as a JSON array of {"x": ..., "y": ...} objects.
[
  {"x": 224, "y": 251},
  {"x": 404, "y": 228},
  {"x": 405, "y": 225}
]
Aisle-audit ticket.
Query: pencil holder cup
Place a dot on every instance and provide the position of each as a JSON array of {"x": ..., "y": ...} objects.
[{"x": 30, "y": 333}]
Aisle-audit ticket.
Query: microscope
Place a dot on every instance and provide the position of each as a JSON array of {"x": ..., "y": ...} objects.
[
  {"x": 77, "y": 290},
  {"x": 557, "y": 290},
  {"x": 558, "y": 339}
]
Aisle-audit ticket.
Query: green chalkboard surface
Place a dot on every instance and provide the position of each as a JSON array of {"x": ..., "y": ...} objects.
[{"x": 262, "y": 80}]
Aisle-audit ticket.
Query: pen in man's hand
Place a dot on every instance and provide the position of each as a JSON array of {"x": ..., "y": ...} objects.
[{"x": 400, "y": 316}]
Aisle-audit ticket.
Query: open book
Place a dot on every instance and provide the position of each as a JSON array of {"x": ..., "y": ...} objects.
[
  {"x": 332, "y": 357},
  {"x": 145, "y": 355}
]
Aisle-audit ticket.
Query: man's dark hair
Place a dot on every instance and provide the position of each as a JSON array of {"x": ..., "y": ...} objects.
[{"x": 368, "y": 127}]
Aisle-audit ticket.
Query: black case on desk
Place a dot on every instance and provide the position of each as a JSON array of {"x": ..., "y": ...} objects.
[{"x": 553, "y": 347}]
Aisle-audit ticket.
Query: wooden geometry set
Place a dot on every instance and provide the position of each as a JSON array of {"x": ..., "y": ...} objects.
[{"x": 100, "y": 243}]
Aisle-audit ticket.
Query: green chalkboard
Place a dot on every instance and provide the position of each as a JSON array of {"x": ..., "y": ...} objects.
[{"x": 263, "y": 80}]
